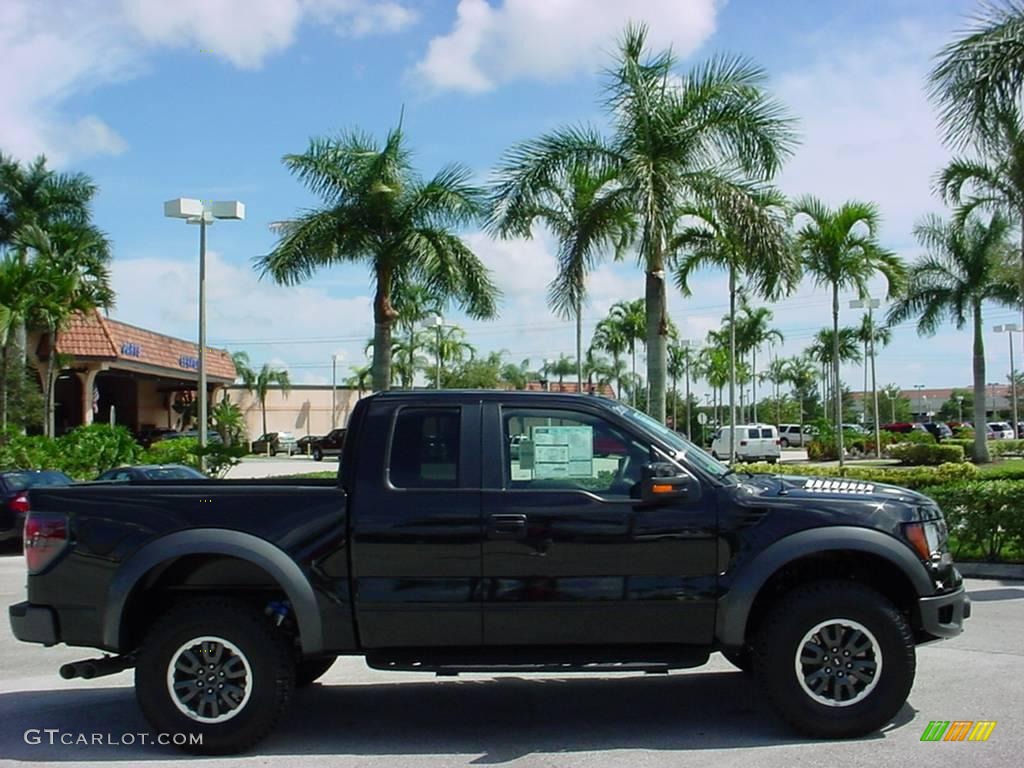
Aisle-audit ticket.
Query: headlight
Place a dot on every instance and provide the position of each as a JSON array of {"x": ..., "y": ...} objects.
[{"x": 928, "y": 538}]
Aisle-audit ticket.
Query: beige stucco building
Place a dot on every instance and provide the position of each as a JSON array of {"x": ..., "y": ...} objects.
[{"x": 304, "y": 410}]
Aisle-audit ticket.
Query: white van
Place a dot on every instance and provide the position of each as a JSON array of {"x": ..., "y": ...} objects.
[{"x": 754, "y": 442}]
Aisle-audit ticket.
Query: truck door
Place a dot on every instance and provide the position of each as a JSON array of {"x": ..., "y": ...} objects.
[
  {"x": 416, "y": 526},
  {"x": 570, "y": 555}
]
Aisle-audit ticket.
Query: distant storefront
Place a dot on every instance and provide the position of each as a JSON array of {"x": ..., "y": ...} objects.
[{"x": 137, "y": 378}]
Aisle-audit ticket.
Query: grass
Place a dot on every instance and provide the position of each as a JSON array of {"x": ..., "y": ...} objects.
[{"x": 1010, "y": 465}]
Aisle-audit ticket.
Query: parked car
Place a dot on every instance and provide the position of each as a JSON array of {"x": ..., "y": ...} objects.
[
  {"x": 275, "y": 443},
  {"x": 754, "y": 442},
  {"x": 143, "y": 472},
  {"x": 14, "y": 486},
  {"x": 999, "y": 430},
  {"x": 904, "y": 428},
  {"x": 513, "y": 445},
  {"x": 146, "y": 437},
  {"x": 282, "y": 577},
  {"x": 938, "y": 430},
  {"x": 857, "y": 429},
  {"x": 304, "y": 445},
  {"x": 330, "y": 444},
  {"x": 790, "y": 435}
]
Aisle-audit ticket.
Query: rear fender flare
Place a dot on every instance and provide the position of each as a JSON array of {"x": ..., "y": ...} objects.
[{"x": 216, "y": 541}]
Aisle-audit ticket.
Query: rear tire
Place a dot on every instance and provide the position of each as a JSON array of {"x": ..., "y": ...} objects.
[
  {"x": 308, "y": 671},
  {"x": 870, "y": 639},
  {"x": 249, "y": 658},
  {"x": 784, "y": 443},
  {"x": 318, "y": 455}
]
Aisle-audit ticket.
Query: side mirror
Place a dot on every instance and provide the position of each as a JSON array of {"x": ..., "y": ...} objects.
[{"x": 663, "y": 482}]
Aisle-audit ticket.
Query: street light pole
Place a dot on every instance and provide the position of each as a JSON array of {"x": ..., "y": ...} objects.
[
  {"x": 438, "y": 323},
  {"x": 203, "y": 214},
  {"x": 919, "y": 387},
  {"x": 960, "y": 407},
  {"x": 1009, "y": 329}
]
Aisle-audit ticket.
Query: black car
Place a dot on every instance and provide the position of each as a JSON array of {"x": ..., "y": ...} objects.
[
  {"x": 330, "y": 444},
  {"x": 304, "y": 444},
  {"x": 938, "y": 430},
  {"x": 14, "y": 485},
  {"x": 146, "y": 437},
  {"x": 142, "y": 472}
]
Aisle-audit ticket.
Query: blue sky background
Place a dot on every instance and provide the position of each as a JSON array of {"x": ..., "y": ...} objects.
[{"x": 201, "y": 98}]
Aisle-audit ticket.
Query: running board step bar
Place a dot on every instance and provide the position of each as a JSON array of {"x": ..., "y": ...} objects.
[{"x": 447, "y": 662}]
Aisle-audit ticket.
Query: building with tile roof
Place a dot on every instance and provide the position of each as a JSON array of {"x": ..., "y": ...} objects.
[{"x": 112, "y": 371}]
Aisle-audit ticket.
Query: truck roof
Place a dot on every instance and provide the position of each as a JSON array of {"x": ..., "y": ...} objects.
[{"x": 484, "y": 394}]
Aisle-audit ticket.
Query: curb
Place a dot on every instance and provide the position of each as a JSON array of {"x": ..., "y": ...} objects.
[{"x": 991, "y": 570}]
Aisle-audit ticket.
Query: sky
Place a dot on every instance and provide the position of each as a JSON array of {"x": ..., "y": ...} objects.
[{"x": 202, "y": 98}]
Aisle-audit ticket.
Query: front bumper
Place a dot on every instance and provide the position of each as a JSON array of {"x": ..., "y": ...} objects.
[
  {"x": 944, "y": 615},
  {"x": 34, "y": 623}
]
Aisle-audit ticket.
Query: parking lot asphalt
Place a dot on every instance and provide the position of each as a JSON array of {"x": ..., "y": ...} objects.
[
  {"x": 265, "y": 466},
  {"x": 710, "y": 717}
]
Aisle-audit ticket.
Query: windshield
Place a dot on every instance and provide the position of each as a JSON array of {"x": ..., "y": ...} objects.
[
  {"x": 683, "y": 448},
  {"x": 19, "y": 481}
]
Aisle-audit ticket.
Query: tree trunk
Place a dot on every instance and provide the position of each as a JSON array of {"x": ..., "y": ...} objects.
[
  {"x": 837, "y": 387},
  {"x": 263, "y": 411},
  {"x": 876, "y": 419},
  {"x": 980, "y": 440},
  {"x": 632, "y": 381},
  {"x": 657, "y": 337},
  {"x": 732, "y": 365},
  {"x": 52, "y": 370},
  {"x": 688, "y": 419},
  {"x": 753, "y": 381},
  {"x": 675, "y": 400},
  {"x": 383, "y": 321},
  {"x": 5, "y": 356},
  {"x": 579, "y": 347}
]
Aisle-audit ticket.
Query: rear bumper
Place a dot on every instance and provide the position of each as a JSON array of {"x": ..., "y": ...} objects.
[
  {"x": 944, "y": 615},
  {"x": 34, "y": 623}
]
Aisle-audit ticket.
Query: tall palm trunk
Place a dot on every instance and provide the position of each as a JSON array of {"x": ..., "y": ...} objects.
[
  {"x": 753, "y": 381},
  {"x": 579, "y": 347},
  {"x": 657, "y": 338},
  {"x": 837, "y": 390},
  {"x": 263, "y": 410},
  {"x": 632, "y": 380},
  {"x": 732, "y": 365},
  {"x": 49, "y": 380},
  {"x": 5, "y": 355},
  {"x": 383, "y": 321},
  {"x": 980, "y": 441},
  {"x": 864, "y": 401},
  {"x": 688, "y": 419},
  {"x": 618, "y": 373}
]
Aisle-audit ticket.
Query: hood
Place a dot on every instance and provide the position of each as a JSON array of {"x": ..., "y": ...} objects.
[{"x": 799, "y": 486}]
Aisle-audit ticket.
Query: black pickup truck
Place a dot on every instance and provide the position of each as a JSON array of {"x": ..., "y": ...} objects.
[{"x": 438, "y": 550}]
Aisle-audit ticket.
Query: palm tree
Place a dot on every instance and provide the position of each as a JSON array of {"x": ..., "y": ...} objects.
[
  {"x": 840, "y": 250},
  {"x": 360, "y": 378},
  {"x": 562, "y": 367},
  {"x": 776, "y": 375},
  {"x": 800, "y": 373},
  {"x": 630, "y": 317},
  {"x": 892, "y": 393},
  {"x": 18, "y": 291},
  {"x": 449, "y": 345},
  {"x": 753, "y": 331},
  {"x": 961, "y": 270},
  {"x": 378, "y": 212},
  {"x": 516, "y": 375},
  {"x": 713, "y": 366},
  {"x": 611, "y": 338},
  {"x": 981, "y": 73},
  {"x": 872, "y": 335},
  {"x": 587, "y": 211},
  {"x": 824, "y": 348},
  {"x": 673, "y": 141},
  {"x": 259, "y": 382},
  {"x": 746, "y": 236},
  {"x": 413, "y": 303},
  {"x": 71, "y": 277},
  {"x": 995, "y": 180},
  {"x": 679, "y": 358}
]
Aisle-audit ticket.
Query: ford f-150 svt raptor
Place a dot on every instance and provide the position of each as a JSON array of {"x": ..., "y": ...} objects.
[{"x": 440, "y": 549}]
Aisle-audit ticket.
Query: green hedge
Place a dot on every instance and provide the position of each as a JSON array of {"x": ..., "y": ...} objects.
[
  {"x": 985, "y": 516},
  {"x": 82, "y": 453},
  {"x": 927, "y": 454},
  {"x": 996, "y": 448},
  {"x": 915, "y": 478}
]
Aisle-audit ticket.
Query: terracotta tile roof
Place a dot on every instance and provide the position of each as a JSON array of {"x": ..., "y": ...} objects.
[{"x": 93, "y": 335}]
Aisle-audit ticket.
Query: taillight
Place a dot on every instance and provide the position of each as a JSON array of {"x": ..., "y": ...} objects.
[
  {"x": 46, "y": 535},
  {"x": 742, "y": 443},
  {"x": 19, "y": 504}
]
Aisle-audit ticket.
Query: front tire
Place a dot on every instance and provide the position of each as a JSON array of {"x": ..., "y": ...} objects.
[
  {"x": 836, "y": 659},
  {"x": 218, "y": 668}
]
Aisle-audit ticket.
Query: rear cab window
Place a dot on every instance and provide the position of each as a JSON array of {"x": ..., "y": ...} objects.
[{"x": 424, "y": 450}]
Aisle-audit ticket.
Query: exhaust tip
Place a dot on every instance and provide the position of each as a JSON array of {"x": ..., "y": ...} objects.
[{"x": 68, "y": 671}]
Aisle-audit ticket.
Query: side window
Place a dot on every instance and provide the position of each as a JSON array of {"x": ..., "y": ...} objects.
[
  {"x": 767, "y": 432},
  {"x": 425, "y": 448},
  {"x": 753, "y": 433},
  {"x": 556, "y": 449}
]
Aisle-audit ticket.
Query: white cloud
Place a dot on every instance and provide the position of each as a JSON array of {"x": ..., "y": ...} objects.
[
  {"x": 869, "y": 132},
  {"x": 547, "y": 40},
  {"x": 55, "y": 50}
]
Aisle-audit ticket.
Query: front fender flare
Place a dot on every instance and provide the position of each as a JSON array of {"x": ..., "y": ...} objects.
[
  {"x": 734, "y": 607},
  {"x": 216, "y": 541}
]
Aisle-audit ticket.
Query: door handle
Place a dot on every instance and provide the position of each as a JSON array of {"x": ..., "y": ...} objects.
[{"x": 506, "y": 526}]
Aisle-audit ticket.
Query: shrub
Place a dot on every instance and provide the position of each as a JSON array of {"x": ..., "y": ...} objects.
[
  {"x": 916, "y": 437},
  {"x": 984, "y": 515},
  {"x": 918, "y": 477},
  {"x": 82, "y": 453},
  {"x": 820, "y": 450},
  {"x": 1006, "y": 447},
  {"x": 921, "y": 454},
  {"x": 185, "y": 450}
]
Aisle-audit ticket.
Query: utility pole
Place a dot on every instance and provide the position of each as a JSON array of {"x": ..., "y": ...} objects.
[{"x": 1009, "y": 329}]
